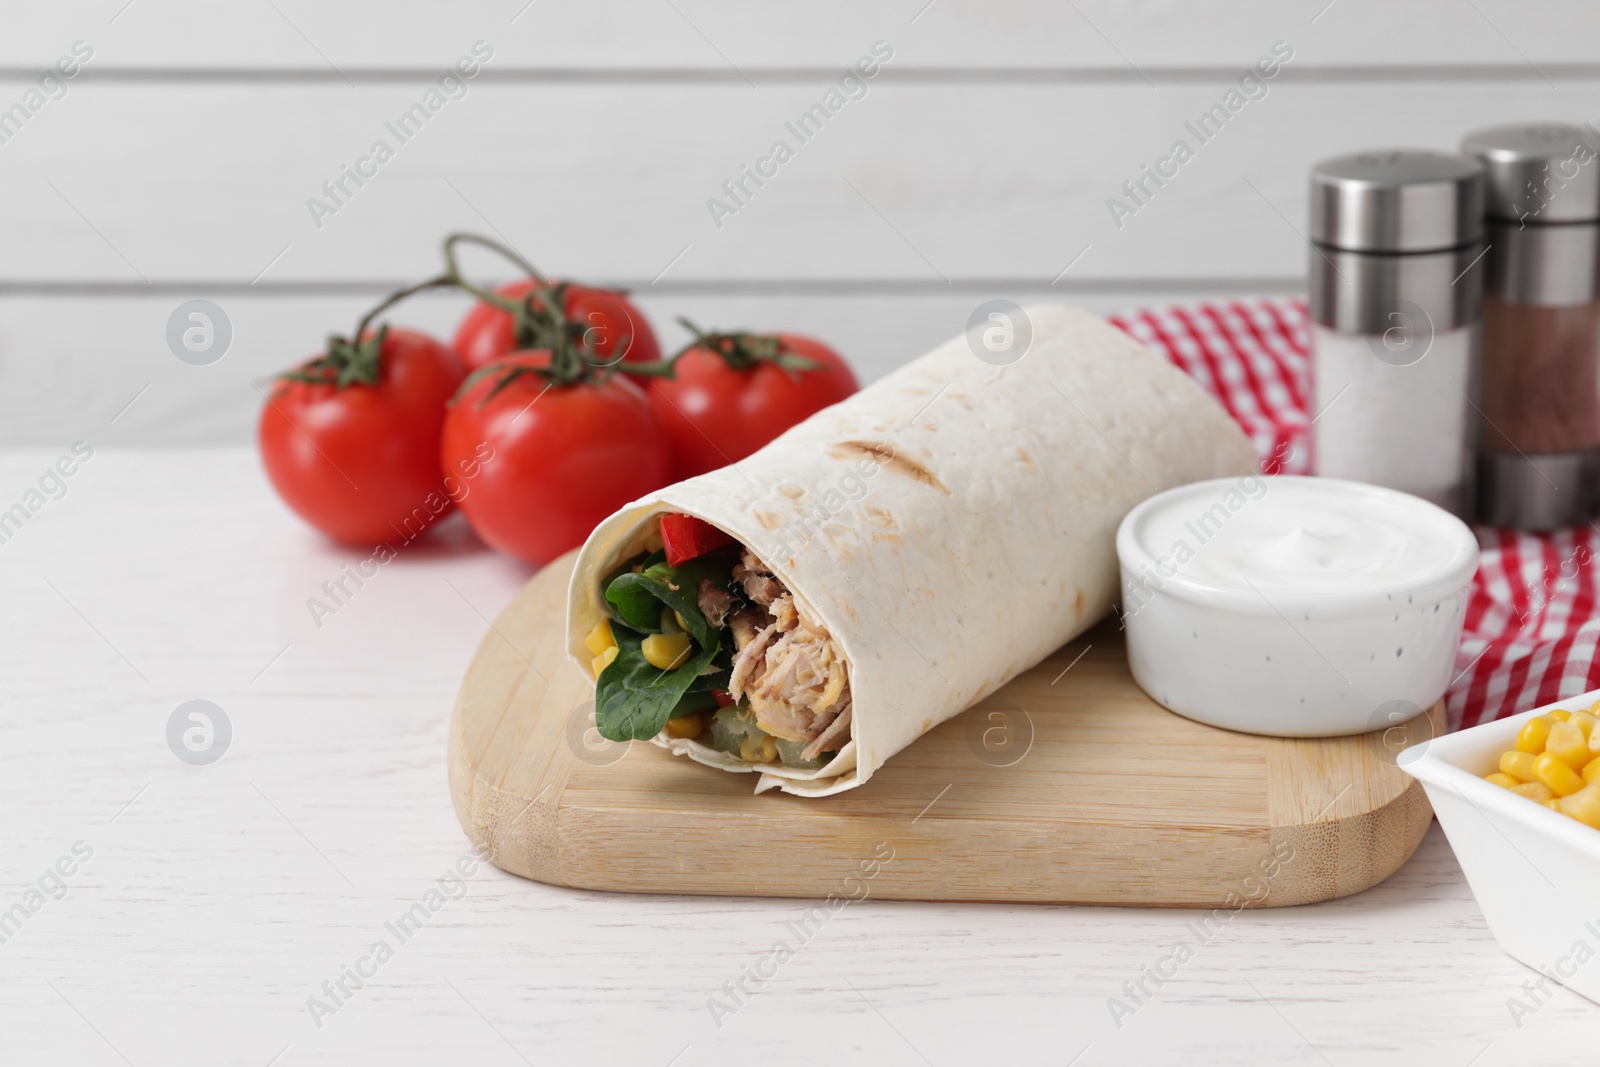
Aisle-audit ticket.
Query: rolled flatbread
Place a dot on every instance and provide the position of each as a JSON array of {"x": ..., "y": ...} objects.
[{"x": 935, "y": 535}]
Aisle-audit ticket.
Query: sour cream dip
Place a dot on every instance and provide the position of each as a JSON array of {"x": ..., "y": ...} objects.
[{"x": 1298, "y": 607}]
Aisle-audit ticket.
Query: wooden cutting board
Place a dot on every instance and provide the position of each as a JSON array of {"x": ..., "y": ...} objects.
[{"x": 1069, "y": 785}]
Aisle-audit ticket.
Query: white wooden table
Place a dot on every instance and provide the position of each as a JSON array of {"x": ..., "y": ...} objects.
[{"x": 219, "y": 899}]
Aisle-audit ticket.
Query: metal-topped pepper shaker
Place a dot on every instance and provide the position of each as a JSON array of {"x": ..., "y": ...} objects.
[
  {"x": 1396, "y": 295},
  {"x": 1541, "y": 319}
]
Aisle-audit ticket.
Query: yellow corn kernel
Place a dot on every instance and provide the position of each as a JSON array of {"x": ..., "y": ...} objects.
[
  {"x": 670, "y": 622},
  {"x": 1554, "y": 803},
  {"x": 689, "y": 726},
  {"x": 1584, "y": 805},
  {"x": 1591, "y": 771},
  {"x": 666, "y": 651},
  {"x": 1585, "y": 722},
  {"x": 1519, "y": 765},
  {"x": 600, "y": 638},
  {"x": 684, "y": 626},
  {"x": 758, "y": 750},
  {"x": 1559, "y": 714},
  {"x": 1504, "y": 781},
  {"x": 602, "y": 661},
  {"x": 1534, "y": 733},
  {"x": 1554, "y": 772},
  {"x": 1567, "y": 744},
  {"x": 1533, "y": 791}
]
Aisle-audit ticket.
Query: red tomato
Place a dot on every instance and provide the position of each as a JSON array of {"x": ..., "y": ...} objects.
[
  {"x": 487, "y": 333},
  {"x": 361, "y": 462},
  {"x": 539, "y": 472},
  {"x": 684, "y": 537},
  {"x": 716, "y": 414}
]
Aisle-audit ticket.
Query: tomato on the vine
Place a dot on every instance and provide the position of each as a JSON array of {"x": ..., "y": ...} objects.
[
  {"x": 564, "y": 450},
  {"x": 613, "y": 326},
  {"x": 733, "y": 392},
  {"x": 350, "y": 440}
]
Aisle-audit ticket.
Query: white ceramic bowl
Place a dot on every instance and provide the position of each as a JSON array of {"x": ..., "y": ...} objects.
[
  {"x": 1243, "y": 633},
  {"x": 1534, "y": 871}
]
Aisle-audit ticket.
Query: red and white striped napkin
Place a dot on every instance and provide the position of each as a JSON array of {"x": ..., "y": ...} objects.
[{"x": 1532, "y": 629}]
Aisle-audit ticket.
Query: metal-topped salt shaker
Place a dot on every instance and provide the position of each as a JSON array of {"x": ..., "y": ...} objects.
[
  {"x": 1396, "y": 298},
  {"x": 1540, "y": 466}
]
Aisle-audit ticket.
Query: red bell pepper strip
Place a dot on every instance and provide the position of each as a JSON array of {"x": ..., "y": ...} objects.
[{"x": 684, "y": 537}]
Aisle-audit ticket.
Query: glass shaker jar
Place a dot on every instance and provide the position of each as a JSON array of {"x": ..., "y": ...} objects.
[
  {"x": 1540, "y": 467},
  {"x": 1396, "y": 297}
]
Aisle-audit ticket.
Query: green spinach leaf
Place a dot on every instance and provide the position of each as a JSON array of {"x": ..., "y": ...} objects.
[
  {"x": 633, "y": 700},
  {"x": 623, "y": 568},
  {"x": 637, "y": 602},
  {"x": 637, "y": 597}
]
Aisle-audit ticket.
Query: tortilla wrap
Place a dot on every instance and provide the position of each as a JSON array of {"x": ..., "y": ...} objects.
[{"x": 950, "y": 525}]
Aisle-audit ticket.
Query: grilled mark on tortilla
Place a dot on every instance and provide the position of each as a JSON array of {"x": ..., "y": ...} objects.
[{"x": 885, "y": 456}]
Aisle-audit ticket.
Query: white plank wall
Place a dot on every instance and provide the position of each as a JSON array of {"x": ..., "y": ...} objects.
[
  {"x": 710, "y": 35},
  {"x": 179, "y": 161},
  {"x": 924, "y": 183},
  {"x": 72, "y": 364}
]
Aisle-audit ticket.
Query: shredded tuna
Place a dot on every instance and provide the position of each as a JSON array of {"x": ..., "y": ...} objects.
[
  {"x": 787, "y": 668},
  {"x": 715, "y": 603},
  {"x": 800, "y": 682},
  {"x": 750, "y": 659},
  {"x": 745, "y": 624},
  {"x": 758, "y": 583},
  {"x": 830, "y": 738},
  {"x": 780, "y": 719}
]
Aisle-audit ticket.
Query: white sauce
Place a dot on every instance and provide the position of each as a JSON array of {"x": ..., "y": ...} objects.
[
  {"x": 1301, "y": 607},
  {"x": 1298, "y": 538}
]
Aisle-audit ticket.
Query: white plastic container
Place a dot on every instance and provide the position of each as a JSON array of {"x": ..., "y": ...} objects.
[
  {"x": 1534, "y": 872},
  {"x": 1295, "y": 607}
]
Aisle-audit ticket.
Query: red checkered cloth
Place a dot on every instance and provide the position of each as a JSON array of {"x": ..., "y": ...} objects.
[{"x": 1533, "y": 625}]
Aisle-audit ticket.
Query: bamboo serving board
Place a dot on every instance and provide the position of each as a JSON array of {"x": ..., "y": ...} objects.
[{"x": 1069, "y": 785}]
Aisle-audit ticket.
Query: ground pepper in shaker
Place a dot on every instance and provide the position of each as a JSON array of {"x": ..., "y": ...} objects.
[
  {"x": 1396, "y": 296},
  {"x": 1540, "y": 467}
]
